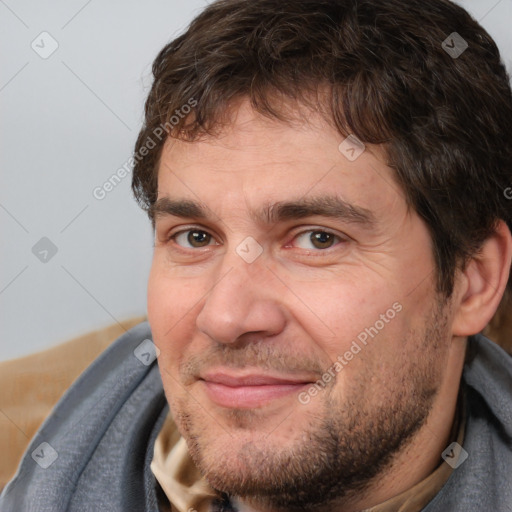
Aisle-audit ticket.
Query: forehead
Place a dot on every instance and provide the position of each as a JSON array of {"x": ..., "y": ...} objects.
[{"x": 260, "y": 161}]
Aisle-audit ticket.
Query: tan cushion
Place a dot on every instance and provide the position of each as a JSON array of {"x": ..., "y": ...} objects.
[{"x": 31, "y": 386}]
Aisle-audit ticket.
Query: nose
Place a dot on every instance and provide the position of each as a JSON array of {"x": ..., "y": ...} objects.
[{"x": 243, "y": 303}]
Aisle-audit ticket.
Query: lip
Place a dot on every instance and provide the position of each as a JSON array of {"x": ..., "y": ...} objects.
[{"x": 249, "y": 391}]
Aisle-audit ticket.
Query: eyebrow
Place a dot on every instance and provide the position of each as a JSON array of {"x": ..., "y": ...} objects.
[{"x": 324, "y": 206}]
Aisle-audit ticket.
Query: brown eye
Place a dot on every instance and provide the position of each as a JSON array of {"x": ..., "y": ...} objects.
[
  {"x": 193, "y": 238},
  {"x": 316, "y": 239},
  {"x": 322, "y": 239},
  {"x": 198, "y": 238}
]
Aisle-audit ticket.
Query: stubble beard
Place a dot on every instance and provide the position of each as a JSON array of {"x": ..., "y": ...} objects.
[{"x": 344, "y": 446}]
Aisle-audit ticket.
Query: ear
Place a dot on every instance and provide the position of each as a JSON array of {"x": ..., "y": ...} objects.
[{"x": 480, "y": 286}]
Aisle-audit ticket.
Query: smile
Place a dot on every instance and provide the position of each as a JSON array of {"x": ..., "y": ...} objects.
[{"x": 249, "y": 391}]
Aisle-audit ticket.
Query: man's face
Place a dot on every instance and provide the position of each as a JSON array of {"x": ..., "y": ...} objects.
[{"x": 278, "y": 287}]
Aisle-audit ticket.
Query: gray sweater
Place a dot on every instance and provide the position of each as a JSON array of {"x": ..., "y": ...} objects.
[{"x": 93, "y": 453}]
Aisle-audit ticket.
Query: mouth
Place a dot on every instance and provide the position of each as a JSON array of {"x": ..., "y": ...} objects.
[{"x": 249, "y": 391}]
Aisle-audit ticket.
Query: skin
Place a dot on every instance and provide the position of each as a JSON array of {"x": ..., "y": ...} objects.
[{"x": 380, "y": 425}]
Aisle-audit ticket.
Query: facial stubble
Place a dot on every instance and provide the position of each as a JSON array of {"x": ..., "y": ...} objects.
[{"x": 345, "y": 444}]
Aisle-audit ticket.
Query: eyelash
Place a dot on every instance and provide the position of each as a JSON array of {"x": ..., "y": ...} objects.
[{"x": 172, "y": 237}]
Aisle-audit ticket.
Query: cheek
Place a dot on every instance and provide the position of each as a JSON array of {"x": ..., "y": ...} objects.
[
  {"x": 336, "y": 313},
  {"x": 170, "y": 304},
  {"x": 159, "y": 301}
]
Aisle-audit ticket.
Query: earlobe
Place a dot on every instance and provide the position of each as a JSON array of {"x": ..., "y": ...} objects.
[{"x": 480, "y": 286}]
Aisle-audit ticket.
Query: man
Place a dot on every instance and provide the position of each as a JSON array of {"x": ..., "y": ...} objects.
[{"x": 326, "y": 181}]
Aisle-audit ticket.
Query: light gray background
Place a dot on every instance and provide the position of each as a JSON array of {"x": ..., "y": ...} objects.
[{"x": 68, "y": 122}]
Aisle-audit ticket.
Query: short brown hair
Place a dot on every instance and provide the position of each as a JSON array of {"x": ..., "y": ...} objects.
[{"x": 445, "y": 122}]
